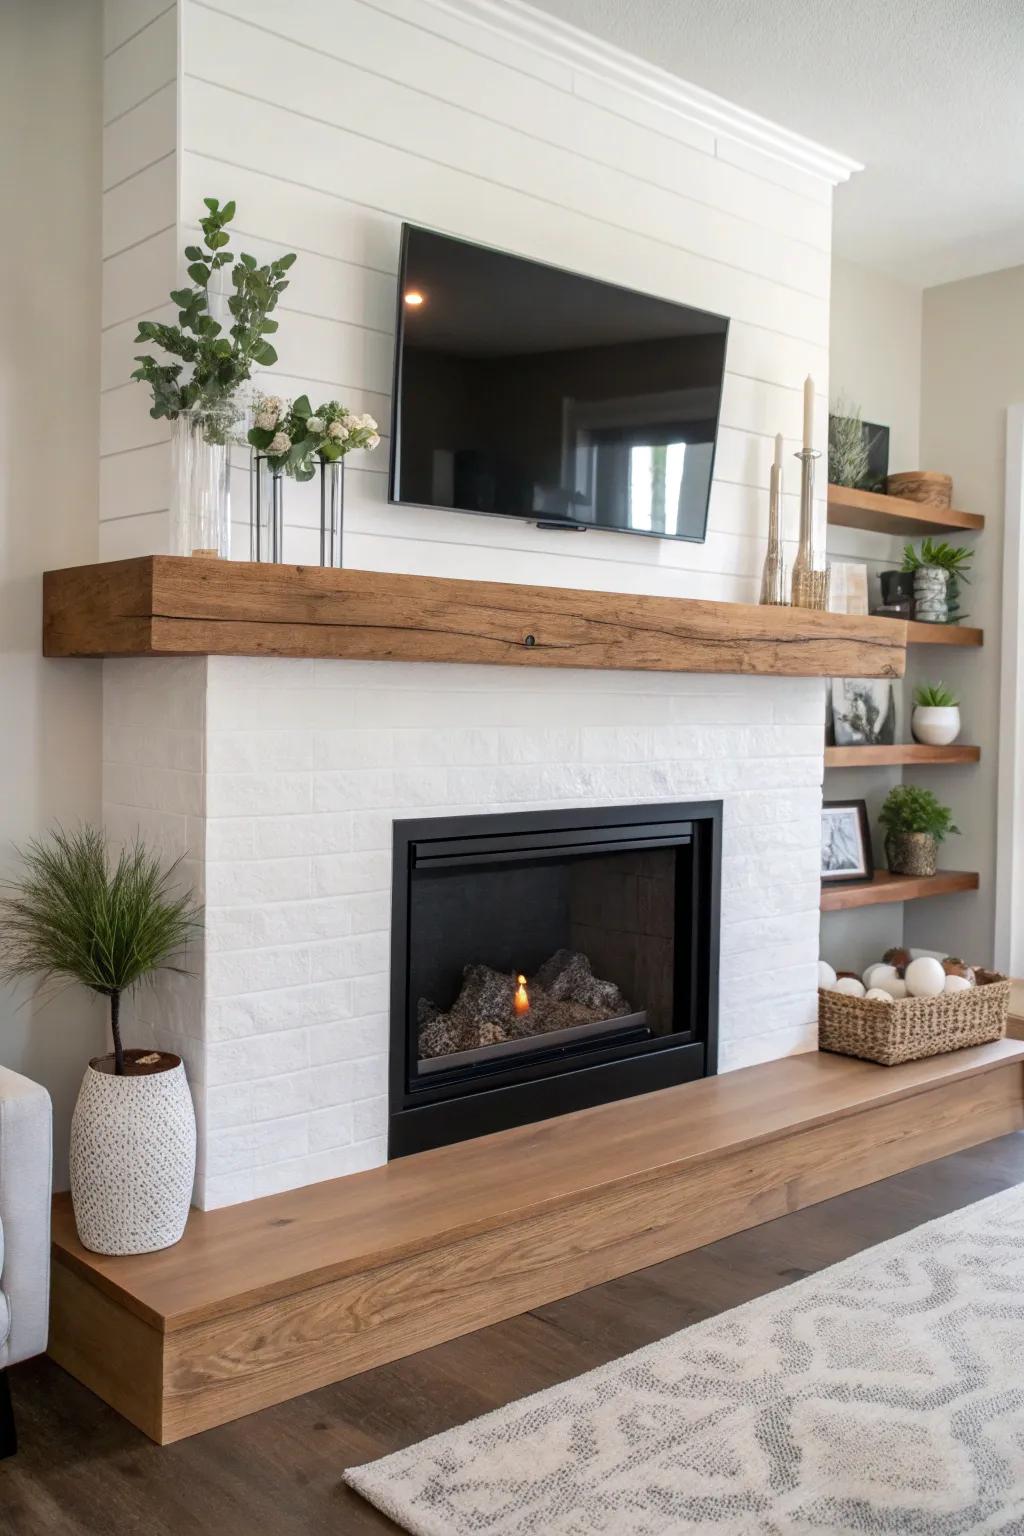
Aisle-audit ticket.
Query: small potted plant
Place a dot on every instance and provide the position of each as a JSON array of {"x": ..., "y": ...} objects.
[
  {"x": 938, "y": 570},
  {"x": 915, "y": 823},
  {"x": 936, "y": 717},
  {"x": 849, "y": 454},
  {"x": 75, "y": 915}
]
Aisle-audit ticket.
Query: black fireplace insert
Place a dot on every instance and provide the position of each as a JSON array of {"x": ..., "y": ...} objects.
[{"x": 547, "y": 961}]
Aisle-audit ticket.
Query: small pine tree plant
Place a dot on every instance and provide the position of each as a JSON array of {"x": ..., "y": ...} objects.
[{"x": 75, "y": 915}]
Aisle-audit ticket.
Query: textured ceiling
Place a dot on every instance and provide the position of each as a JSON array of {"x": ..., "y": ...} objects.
[{"x": 929, "y": 94}]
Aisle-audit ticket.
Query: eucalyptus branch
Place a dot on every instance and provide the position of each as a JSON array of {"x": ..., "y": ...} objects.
[{"x": 218, "y": 364}]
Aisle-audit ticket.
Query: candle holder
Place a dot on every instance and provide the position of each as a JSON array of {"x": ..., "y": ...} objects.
[
  {"x": 810, "y": 569},
  {"x": 774, "y": 590}
]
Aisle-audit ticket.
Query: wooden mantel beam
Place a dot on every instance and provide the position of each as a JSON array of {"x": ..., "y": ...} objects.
[{"x": 164, "y": 605}]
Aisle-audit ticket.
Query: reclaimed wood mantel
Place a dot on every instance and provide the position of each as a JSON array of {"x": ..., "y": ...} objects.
[{"x": 164, "y": 605}]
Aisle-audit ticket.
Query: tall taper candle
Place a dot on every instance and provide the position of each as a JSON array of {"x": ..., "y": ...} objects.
[
  {"x": 778, "y": 450},
  {"x": 808, "y": 414}
]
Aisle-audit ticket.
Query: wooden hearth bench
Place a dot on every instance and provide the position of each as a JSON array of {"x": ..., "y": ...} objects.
[{"x": 262, "y": 1301}]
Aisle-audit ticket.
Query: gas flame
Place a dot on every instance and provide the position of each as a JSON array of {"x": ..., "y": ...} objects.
[{"x": 521, "y": 1002}]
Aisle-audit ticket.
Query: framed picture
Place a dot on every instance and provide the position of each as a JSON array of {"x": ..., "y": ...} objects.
[
  {"x": 863, "y": 712},
  {"x": 845, "y": 842}
]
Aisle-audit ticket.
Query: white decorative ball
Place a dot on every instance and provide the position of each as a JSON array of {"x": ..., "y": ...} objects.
[
  {"x": 880, "y": 974},
  {"x": 877, "y": 995},
  {"x": 826, "y": 975},
  {"x": 925, "y": 977},
  {"x": 850, "y": 986},
  {"x": 957, "y": 984},
  {"x": 895, "y": 986}
]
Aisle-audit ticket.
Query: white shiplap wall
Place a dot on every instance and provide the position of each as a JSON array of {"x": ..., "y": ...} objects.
[
  {"x": 141, "y": 165},
  {"x": 331, "y": 121}
]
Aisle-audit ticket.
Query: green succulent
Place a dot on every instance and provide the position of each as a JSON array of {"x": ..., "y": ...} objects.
[
  {"x": 951, "y": 558},
  {"x": 935, "y": 696}
]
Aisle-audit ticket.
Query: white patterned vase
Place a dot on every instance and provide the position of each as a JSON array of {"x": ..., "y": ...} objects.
[{"x": 133, "y": 1159}]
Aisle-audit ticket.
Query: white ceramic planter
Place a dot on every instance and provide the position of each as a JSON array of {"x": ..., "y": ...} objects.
[
  {"x": 133, "y": 1159},
  {"x": 935, "y": 726}
]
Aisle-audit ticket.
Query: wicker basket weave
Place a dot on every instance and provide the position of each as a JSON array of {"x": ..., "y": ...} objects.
[{"x": 909, "y": 1028}]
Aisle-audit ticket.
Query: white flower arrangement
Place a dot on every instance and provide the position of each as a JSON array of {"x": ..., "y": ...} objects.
[{"x": 293, "y": 436}]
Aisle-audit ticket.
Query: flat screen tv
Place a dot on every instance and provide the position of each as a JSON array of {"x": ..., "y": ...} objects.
[{"x": 525, "y": 391}]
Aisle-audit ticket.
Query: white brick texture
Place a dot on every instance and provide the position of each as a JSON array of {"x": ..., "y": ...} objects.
[{"x": 280, "y": 781}]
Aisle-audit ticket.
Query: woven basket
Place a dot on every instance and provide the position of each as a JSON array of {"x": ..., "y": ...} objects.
[
  {"x": 910, "y": 1028},
  {"x": 925, "y": 486}
]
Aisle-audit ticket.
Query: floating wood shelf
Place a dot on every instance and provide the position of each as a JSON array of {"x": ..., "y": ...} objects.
[
  {"x": 944, "y": 634},
  {"x": 161, "y": 605},
  {"x": 262, "y": 1301},
  {"x": 901, "y": 752},
  {"x": 889, "y": 887},
  {"x": 848, "y": 508}
]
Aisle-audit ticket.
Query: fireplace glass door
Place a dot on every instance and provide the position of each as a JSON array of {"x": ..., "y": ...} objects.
[{"x": 540, "y": 949}]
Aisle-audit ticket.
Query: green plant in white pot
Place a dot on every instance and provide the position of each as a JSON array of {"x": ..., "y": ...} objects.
[
  {"x": 936, "y": 718},
  {"x": 76, "y": 915}
]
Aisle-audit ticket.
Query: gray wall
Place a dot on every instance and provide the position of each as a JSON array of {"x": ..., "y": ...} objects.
[
  {"x": 50, "y": 93},
  {"x": 973, "y": 369}
]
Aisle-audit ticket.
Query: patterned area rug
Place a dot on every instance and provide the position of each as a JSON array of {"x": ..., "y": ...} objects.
[{"x": 883, "y": 1395}]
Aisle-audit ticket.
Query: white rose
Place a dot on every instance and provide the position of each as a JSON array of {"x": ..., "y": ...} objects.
[
  {"x": 368, "y": 422},
  {"x": 315, "y": 424},
  {"x": 266, "y": 420},
  {"x": 281, "y": 444},
  {"x": 373, "y": 440},
  {"x": 337, "y": 431}
]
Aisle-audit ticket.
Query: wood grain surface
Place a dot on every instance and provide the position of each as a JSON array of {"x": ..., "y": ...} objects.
[{"x": 165, "y": 605}]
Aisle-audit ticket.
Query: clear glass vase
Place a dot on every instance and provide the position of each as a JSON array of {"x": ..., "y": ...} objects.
[
  {"x": 266, "y": 511},
  {"x": 201, "y": 495},
  {"x": 332, "y": 511}
]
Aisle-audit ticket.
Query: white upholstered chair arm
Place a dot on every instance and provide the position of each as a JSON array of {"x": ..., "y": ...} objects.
[{"x": 25, "y": 1181}]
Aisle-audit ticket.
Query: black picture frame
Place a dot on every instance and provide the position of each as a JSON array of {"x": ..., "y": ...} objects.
[{"x": 838, "y": 865}]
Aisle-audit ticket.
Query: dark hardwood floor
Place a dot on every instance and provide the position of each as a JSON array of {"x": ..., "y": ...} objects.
[{"x": 83, "y": 1471}]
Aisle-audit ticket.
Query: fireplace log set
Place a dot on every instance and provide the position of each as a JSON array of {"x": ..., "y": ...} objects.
[{"x": 562, "y": 993}]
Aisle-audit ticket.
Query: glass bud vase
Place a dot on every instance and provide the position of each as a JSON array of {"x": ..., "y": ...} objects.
[
  {"x": 332, "y": 511},
  {"x": 201, "y": 497},
  {"x": 266, "y": 511}
]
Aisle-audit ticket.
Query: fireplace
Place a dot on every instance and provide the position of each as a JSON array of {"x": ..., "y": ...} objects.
[{"x": 547, "y": 961}]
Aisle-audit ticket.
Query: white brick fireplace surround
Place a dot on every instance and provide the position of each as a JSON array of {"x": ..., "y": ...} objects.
[{"x": 279, "y": 781}]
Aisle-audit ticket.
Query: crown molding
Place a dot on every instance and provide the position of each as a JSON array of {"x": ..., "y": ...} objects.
[{"x": 572, "y": 47}]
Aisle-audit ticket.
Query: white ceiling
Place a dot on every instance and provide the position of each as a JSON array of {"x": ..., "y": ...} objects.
[{"x": 929, "y": 94}]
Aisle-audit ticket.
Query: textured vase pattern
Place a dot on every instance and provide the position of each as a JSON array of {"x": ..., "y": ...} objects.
[
  {"x": 912, "y": 853},
  {"x": 931, "y": 601},
  {"x": 133, "y": 1159}
]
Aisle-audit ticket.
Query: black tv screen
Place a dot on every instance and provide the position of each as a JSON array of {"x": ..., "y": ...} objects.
[{"x": 525, "y": 391}]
